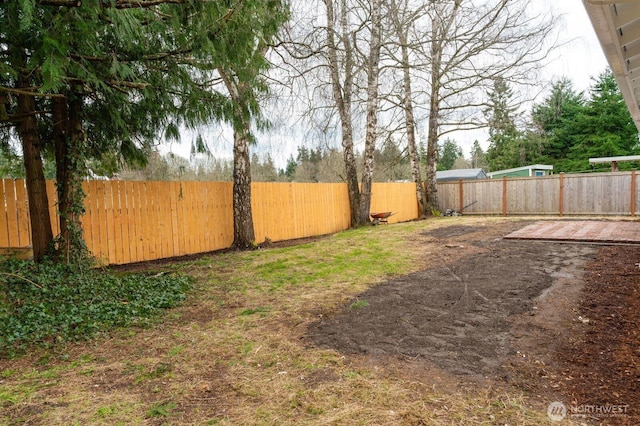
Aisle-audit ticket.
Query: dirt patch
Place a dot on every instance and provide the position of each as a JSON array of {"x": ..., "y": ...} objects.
[
  {"x": 557, "y": 321},
  {"x": 457, "y": 316}
]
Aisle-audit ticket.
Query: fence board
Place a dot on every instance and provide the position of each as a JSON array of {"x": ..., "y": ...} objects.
[
  {"x": 156, "y": 224},
  {"x": 636, "y": 196},
  {"x": 86, "y": 219},
  {"x": 24, "y": 230},
  {"x": 4, "y": 224},
  {"x": 52, "y": 195},
  {"x": 12, "y": 213}
]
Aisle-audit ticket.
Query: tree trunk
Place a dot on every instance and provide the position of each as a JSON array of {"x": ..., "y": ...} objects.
[
  {"x": 441, "y": 27},
  {"x": 342, "y": 97},
  {"x": 69, "y": 146},
  {"x": 41, "y": 234},
  {"x": 243, "y": 233},
  {"x": 434, "y": 110},
  {"x": 351, "y": 171},
  {"x": 407, "y": 101},
  {"x": 373, "y": 73},
  {"x": 432, "y": 160}
]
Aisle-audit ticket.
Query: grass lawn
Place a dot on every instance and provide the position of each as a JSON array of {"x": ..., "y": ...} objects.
[{"x": 235, "y": 351}]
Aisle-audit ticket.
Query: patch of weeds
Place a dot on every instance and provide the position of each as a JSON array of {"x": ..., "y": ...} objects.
[
  {"x": 7, "y": 373},
  {"x": 160, "y": 370},
  {"x": 246, "y": 348},
  {"x": 87, "y": 371},
  {"x": 131, "y": 368},
  {"x": 176, "y": 350},
  {"x": 263, "y": 310},
  {"x": 161, "y": 409},
  {"x": 358, "y": 304},
  {"x": 45, "y": 374},
  {"x": 103, "y": 412},
  {"x": 351, "y": 374},
  {"x": 314, "y": 410},
  {"x": 84, "y": 359},
  {"x": 44, "y": 360},
  {"x": 15, "y": 396},
  {"x": 49, "y": 304}
]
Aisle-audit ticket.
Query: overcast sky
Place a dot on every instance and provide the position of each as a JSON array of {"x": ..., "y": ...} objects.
[{"x": 580, "y": 58}]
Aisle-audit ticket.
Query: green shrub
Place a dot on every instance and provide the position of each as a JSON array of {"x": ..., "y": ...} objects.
[{"x": 48, "y": 304}]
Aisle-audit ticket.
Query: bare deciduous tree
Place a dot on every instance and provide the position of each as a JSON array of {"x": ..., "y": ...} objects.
[
  {"x": 436, "y": 60},
  {"x": 470, "y": 46},
  {"x": 373, "y": 73}
]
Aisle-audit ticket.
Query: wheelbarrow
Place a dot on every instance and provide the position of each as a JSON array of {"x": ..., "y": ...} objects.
[{"x": 382, "y": 217}]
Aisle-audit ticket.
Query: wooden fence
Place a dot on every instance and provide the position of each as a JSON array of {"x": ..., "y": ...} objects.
[
  {"x": 128, "y": 221},
  {"x": 599, "y": 194}
]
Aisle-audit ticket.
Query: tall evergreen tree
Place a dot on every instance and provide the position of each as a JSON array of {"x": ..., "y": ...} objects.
[
  {"x": 606, "y": 127},
  {"x": 505, "y": 140},
  {"x": 570, "y": 129},
  {"x": 95, "y": 77},
  {"x": 554, "y": 121},
  {"x": 478, "y": 156},
  {"x": 448, "y": 154}
]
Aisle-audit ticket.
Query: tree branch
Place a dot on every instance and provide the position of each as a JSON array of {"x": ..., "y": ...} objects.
[
  {"x": 61, "y": 3},
  {"x": 30, "y": 93},
  {"x": 134, "y": 4}
]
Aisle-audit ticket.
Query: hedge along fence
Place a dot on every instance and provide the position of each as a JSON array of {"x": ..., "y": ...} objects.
[
  {"x": 129, "y": 221},
  {"x": 599, "y": 194}
]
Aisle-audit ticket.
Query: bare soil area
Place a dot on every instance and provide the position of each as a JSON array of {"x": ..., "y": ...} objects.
[{"x": 558, "y": 321}]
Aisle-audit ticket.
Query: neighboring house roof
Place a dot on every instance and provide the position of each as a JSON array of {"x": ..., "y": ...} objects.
[
  {"x": 461, "y": 174},
  {"x": 517, "y": 169},
  {"x": 617, "y": 25}
]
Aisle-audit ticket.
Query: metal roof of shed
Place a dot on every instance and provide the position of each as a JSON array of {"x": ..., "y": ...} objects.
[
  {"x": 517, "y": 169},
  {"x": 461, "y": 174}
]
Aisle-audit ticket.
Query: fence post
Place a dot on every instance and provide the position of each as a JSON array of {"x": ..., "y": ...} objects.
[
  {"x": 561, "y": 195},
  {"x": 461, "y": 196},
  {"x": 504, "y": 195},
  {"x": 633, "y": 193}
]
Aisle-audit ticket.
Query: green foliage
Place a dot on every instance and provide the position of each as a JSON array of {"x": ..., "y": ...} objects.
[
  {"x": 135, "y": 71},
  {"x": 565, "y": 129},
  {"x": 553, "y": 119},
  {"x": 448, "y": 153},
  {"x": 478, "y": 157},
  {"x": 506, "y": 148},
  {"x": 263, "y": 310},
  {"x": 11, "y": 164},
  {"x": 359, "y": 304},
  {"x": 48, "y": 304},
  {"x": 161, "y": 409},
  {"x": 606, "y": 126}
]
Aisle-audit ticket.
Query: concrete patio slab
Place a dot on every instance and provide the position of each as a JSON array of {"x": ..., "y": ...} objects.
[{"x": 589, "y": 231}]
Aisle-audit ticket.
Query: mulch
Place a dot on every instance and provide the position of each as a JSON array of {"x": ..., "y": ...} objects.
[{"x": 601, "y": 358}]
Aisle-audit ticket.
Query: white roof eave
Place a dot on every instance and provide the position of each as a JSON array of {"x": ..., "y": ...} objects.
[{"x": 617, "y": 25}]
